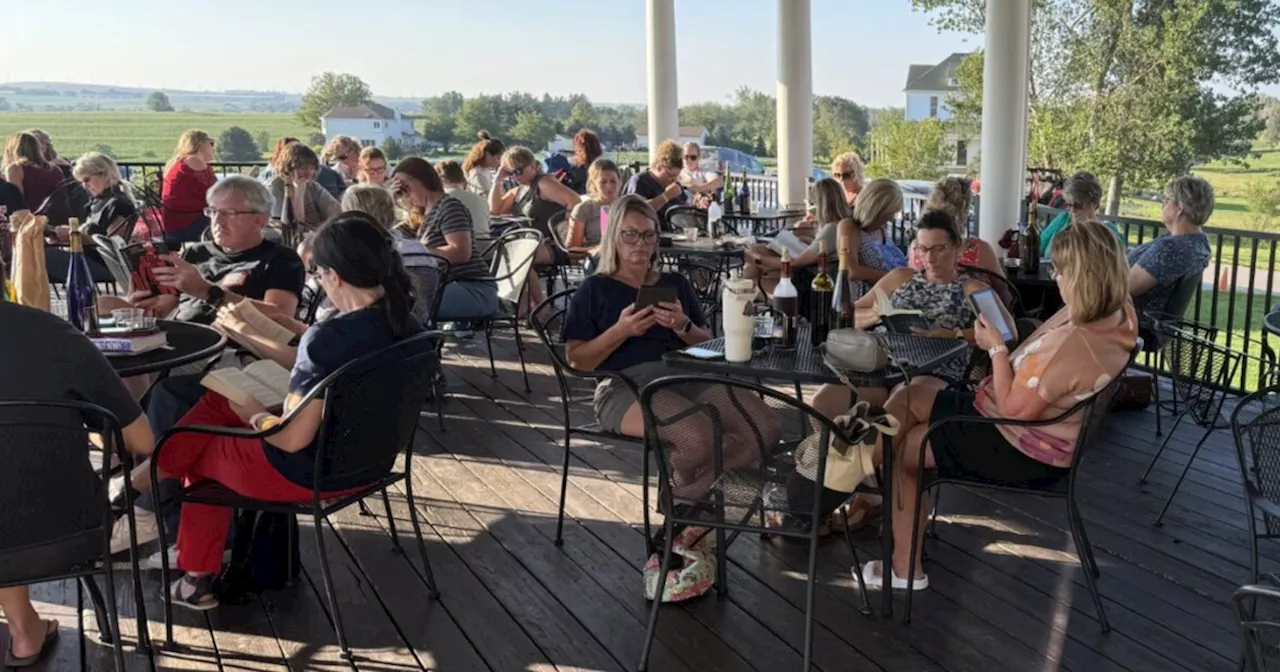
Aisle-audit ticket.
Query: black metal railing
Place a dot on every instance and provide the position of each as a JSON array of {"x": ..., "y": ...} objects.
[{"x": 141, "y": 173}]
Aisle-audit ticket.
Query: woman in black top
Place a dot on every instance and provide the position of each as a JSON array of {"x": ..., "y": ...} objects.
[
  {"x": 586, "y": 149},
  {"x": 361, "y": 273},
  {"x": 537, "y": 197},
  {"x": 112, "y": 212}
]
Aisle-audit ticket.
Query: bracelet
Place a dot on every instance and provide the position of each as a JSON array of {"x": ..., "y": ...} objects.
[
  {"x": 263, "y": 421},
  {"x": 992, "y": 352}
]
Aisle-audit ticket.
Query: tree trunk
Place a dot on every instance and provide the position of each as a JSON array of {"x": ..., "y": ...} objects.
[{"x": 1113, "y": 194}]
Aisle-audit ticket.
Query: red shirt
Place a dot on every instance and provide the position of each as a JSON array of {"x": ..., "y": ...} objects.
[{"x": 183, "y": 195}]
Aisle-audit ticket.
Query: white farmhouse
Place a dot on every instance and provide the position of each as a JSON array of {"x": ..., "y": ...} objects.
[
  {"x": 696, "y": 134},
  {"x": 927, "y": 89},
  {"x": 371, "y": 124}
]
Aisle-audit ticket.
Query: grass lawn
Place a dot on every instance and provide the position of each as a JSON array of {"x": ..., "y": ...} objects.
[
  {"x": 142, "y": 136},
  {"x": 1230, "y": 183}
]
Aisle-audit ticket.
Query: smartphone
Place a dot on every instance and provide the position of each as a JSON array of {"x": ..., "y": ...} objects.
[
  {"x": 653, "y": 295},
  {"x": 987, "y": 303},
  {"x": 703, "y": 353}
]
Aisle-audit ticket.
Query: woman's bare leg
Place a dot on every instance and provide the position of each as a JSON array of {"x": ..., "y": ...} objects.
[
  {"x": 26, "y": 629},
  {"x": 905, "y": 517}
]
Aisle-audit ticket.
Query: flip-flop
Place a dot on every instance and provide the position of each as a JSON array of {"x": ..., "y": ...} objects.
[
  {"x": 193, "y": 598},
  {"x": 50, "y": 636},
  {"x": 872, "y": 576}
]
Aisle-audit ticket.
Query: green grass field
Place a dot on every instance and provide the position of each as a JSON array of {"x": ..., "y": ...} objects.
[
  {"x": 141, "y": 136},
  {"x": 1230, "y": 183}
]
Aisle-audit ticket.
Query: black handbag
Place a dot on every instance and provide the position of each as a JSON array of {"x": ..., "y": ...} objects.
[{"x": 264, "y": 555}]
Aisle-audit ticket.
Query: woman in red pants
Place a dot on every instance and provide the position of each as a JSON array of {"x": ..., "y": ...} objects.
[{"x": 358, "y": 266}]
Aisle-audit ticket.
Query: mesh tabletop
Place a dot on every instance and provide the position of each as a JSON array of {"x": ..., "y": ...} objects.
[{"x": 910, "y": 355}]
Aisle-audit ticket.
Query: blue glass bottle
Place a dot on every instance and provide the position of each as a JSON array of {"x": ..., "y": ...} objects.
[{"x": 82, "y": 300}]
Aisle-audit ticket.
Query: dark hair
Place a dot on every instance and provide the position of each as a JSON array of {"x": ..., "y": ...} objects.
[
  {"x": 274, "y": 161},
  {"x": 294, "y": 157},
  {"x": 586, "y": 147},
  {"x": 485, "y": 147},
  {"x": 939, "y": 220},
  {"x": 421, "y": 170},
  {"x": 355, "y": 247},
  {"x": 451, "y": 172}
]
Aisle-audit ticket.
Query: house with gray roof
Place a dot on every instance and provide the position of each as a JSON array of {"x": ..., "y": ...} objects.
[{"x": 927, "y": 89}]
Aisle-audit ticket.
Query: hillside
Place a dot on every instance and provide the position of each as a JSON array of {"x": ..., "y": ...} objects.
[
  {"x": 142, "y": 136},
  {"x": 70, "y": 96},
  {"x": 1230, "y": 184}
]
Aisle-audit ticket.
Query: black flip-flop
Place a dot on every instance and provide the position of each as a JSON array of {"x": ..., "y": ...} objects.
[{"x": 50, "y": 637}]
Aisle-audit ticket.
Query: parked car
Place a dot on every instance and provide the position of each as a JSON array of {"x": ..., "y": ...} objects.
[{"x": 722, "y": 158}]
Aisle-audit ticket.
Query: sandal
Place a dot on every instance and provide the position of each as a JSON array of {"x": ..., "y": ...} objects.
[
  {"x": 196, "y": 594},
  {"x": 50, "y": 637},
  {"x": 872, "y": 576},
  {"x": 861, "y": 514}
]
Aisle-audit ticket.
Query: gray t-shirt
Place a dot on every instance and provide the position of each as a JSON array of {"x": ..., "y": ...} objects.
[
  {"x": 588, "y": 212},
  {"x": 43, "y": 357},
  {"x": 316, "y": 203},
  {"x": 1167, "y": 259},
  {"x": 826, "y": 233}
]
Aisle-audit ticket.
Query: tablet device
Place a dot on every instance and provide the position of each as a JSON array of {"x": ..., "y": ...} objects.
[
  {"x": 702, "y": 353},
  {"x": 655, "y": 294},
  {"x": 987, "y": 303}
]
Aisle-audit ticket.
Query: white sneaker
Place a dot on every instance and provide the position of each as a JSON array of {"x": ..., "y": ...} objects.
[{"x": 148, "y": 530}]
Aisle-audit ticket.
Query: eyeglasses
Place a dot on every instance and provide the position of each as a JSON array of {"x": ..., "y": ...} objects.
[
  {"x": 1075, "y": 207},
  {"x": 214, "y": 213},
  {"x": 691, "y": 157},
  {"x": 375, "y": 171},
  {"x": 841, "y": 176},
  {"x": 931, "y": 250},
  {"x": 631, "y": 236}
]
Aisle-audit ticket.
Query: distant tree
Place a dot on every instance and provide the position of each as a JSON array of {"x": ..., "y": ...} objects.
[
  {"x": 583, "y": 115},
  {"x": 4, "y": 105},
  {"x": 838, "y": 125},
  {"x": 477, "y": 114},
  {"x": 104, "y": 149},
  {"x": 236, "y": 144},
  {"x": 447, "y": 103},
  {"x": 393, "y": 149},
  {"x": 911, "y": 150},
  {"x": 1263, "y": 197},
  {"x": 149, "y": 154},
  {"x": 159, "y": 102},
  {"x": 316, "y": 140},
  {"x": 263, "y": 140},
  {"x": 532, "y": 130},
  {"x": 1270, "y": 112},
  {"x": 330, "y": 90},
  {"x": 438, "y": 127}
]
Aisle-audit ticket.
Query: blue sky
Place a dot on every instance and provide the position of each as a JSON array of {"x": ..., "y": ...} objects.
[{"x": 861, "y": 48}]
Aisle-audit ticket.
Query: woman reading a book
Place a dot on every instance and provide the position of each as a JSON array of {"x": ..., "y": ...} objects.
[
  {"x": 930, "y": 302},
  {"x": 764, "y": 262},
  {"x": 362, "y": 274}
]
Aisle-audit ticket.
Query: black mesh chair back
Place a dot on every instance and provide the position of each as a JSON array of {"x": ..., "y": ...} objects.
[
  {"x": 1184, "y": 292},
  {"x": 371, "y": 410},
  {"x": 707, "y": 280},
  {"x": 1257, "y": 608},
  {"x": 1255, "y": 427},
  {"x": 548, "y": 322},
  {"x": 44, "y": 486},
  {"x": 1007, "y": 290},
  {"x": 682, "y": 217},
  {"x": 722, "y": 464},
  {"x": 1201, "y": 369},
  {"x": 427, "y": 274},
  {"x": 558, "y": 225}
]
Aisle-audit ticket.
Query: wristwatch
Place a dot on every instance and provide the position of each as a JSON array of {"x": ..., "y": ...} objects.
[
  {"x": 215, "y": 296},
  {"x": 688, "y": 326},
  {"x": 992, "y": 352}
]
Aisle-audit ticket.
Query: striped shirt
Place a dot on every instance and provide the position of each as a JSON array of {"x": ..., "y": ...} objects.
[{"x": 449, "y": 215}]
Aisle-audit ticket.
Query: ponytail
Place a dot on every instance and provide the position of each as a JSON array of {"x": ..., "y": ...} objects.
[{"x": 397, "y": 297}]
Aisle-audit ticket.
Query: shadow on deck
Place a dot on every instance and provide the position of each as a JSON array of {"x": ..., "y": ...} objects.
[{"x": 1006, "y": 589}]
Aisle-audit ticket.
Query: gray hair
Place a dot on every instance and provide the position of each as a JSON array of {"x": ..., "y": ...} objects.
[
  {"x": 1083, "y": 188},
  {"x": 373, "y": 200},
  {"x": 255, "y": 193},
  {"x": 1194, "y": 196}
]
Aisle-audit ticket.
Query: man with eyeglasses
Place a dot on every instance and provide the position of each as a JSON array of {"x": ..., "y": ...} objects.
[{"x": 239, "y": 263}]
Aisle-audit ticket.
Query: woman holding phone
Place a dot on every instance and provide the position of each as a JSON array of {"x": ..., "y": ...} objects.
[{"x": 1073, "y": 356}]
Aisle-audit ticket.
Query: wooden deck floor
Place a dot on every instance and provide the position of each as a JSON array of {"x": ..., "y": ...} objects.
[{"x": 1006, "y": 594}]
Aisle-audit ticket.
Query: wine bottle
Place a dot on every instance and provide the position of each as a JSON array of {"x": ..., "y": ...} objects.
[
  {"x": 730, "y": 194},
  {"x": 842, "y": 297},
  {"x": 786, "y": 303},
  {"x": 744, "y": 196},
  {"x": 1030, "y": 252},
  {"x": 82, "y": 302},
  {"x": 821, "y": 291}
]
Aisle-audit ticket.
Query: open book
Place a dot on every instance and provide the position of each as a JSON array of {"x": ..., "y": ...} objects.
[
  {"x": 898, "y": 320},
  {"x": 789, "y": 242},
  {"x": 245, "y": 324},
  {"x": 263, "y": 380}
]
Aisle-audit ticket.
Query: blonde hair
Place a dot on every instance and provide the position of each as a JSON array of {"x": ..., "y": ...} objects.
[
  {"x": 848, "y": 163},
  {"x": 23, "y": 148},
  {"x": 830, "y": 202},
  {"x": 1089, "y": 257},
  {"x": 340, "y": 146},
  {"x": 188, "y": 144},
  {"x": 668, "y": 154},
  {"x": 597, "y": 170},
  {"x": 95, "y": 163},
  {"x": 952, "y": 195},
  {"x": 610, "y": 241},
  {"x": 373, "y": 200},
  {"x": 518, "y": 158},
  {"x": 877, "y": 203},
  {"x": 692, "y": 147}
]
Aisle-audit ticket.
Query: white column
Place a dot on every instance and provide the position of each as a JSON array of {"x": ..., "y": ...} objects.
[
  {"x": 795, "y": 101},
  {"x": 660, "y": 48},
  {"x": 1004, "y": 114}
]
